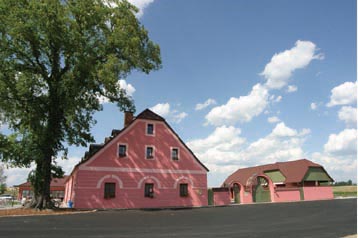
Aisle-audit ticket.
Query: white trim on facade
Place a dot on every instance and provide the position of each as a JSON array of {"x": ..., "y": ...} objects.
[
  {"x": 141, "y": 170},
  {"x": 120, "y": 183},
  {"x": 183, "y": 178},
  {"x": 149, "y": 177}
]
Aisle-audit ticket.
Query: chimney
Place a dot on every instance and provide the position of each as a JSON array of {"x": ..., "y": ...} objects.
[{"x": 128, "y": 118}]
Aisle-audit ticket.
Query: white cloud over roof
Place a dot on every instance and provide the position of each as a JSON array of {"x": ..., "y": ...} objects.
[{"x": 343, "y": 94}]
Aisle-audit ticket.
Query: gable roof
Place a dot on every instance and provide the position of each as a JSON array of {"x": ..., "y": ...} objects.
[
  {"x": 294, "y": 171},
  {"x": 144, "y": 115}
]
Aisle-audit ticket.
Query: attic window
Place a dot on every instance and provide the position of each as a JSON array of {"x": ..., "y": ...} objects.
[
  {"x": 150, "y": 129},
  {"x": 175, "y": 154},
  {"x": 149, "y": 152},
  {"x": 122, "y": 150}
]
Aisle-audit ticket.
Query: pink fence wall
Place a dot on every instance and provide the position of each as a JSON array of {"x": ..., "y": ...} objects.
[
  {"x": 221, "y": 198},
  {"x": 287, "y": 195},
  {"x": 318, "y": 193}
]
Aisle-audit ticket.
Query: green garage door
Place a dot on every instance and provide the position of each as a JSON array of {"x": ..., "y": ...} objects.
[{"x": 261, "y": 192}]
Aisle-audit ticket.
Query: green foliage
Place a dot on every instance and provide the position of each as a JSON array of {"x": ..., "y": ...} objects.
[
  {"x": 56, "y": 59},
  {"x": 343, "y": 183}
]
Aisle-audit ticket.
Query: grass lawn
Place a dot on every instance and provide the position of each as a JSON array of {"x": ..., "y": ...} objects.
[{"x": 345, "y": 191}]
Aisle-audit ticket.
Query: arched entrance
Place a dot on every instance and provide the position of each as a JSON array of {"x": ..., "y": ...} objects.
[
  {"x": 235, "y": 193},
  {"x": 261, "y": 191}
]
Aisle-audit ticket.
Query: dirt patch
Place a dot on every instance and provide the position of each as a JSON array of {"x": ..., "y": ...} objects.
[{"x": 34, "y": 212}]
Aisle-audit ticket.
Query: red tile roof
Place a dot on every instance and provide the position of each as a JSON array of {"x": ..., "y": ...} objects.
[
  {"x": 55, "y": 182},
  {"x": 294, "y": 171}
]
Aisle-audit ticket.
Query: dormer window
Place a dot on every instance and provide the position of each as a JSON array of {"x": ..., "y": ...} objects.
[{"x": 150, "y": 129}]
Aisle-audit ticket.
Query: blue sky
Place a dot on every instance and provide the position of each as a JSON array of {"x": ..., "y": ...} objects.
[{"x": 249, "y": 82}]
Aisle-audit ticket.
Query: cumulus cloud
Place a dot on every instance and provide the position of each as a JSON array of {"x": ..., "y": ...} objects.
[
  {"x": 277, "y": 74},
  {"x": 163, "y": 109},
  {"x": 348, "y": 114},
  {"x": 273, "y": 119},
  {"x": 314, "y": 106},
  {"x": 141, "y": 5},
  {"x": 225, "y": 150},
  {"x": 282, "y": 65},
  {"x": 291, "y": 88},
  {"x": 343, "y": 143},
  {"x": 340, "y": 155},
  {"x": 241, "y": 109},
  {"x": 343, "y": 94},
  {"x": 121, "y": 84},
  {"x": 201, "y": 106}
]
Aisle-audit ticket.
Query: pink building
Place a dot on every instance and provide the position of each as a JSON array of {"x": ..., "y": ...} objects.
[
  {"x": 280, "y": 182},
  {"x": 143, "y": 165}
]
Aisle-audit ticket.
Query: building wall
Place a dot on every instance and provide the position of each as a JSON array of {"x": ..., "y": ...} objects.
[
  {"x": 130, "y": 173},
  {"x": 89, "y": 190},
  {"x": 221, "y": 197},
  {"x": 318, "y": 193},
  {"x": 287, "y": 195}
]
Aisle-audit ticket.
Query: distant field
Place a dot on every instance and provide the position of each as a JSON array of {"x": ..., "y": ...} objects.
[{"x": 345, "y": 191}]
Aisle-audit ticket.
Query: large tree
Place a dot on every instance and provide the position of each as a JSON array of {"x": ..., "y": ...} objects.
[{"x": 57, "y": 57}]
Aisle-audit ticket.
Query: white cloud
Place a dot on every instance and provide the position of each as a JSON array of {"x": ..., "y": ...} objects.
[
  {"x": 16, "y": 176},
  {"x": 339, "y": 157},
  {"x": 343, "y": 94},
  {"x": 141, "y": 5},
  {"x": 291, "y": 88},
  {"x": 343, "y": 143},
  {"x": 348, "y": 115},
  {"x": 278, "y": 71},
  {"x": 275, "y": 99},
  {"x": 340, "y": 168},
  {"x": 121, "y": 84},
  {"x": 314, "y": 106},
  {"x": 273, "y": 119},
  {"x": 241, "y": 109},
  {"x": 201, "y": 106},
  {"x": 225, "y": 150},
  {"x": 163, "y": 109},
  {"x": 281, "y": 130}
]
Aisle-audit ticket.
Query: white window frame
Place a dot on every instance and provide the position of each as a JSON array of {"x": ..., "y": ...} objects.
[
  {"x": 171, "y": 154},
  {"x": 153, "y": 153},
  {"x": 146, "y": 128},
  {"x": 125, "y": 144}
]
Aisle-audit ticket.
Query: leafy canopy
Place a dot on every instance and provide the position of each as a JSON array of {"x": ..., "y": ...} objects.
[{"x": 56, "y": 59}]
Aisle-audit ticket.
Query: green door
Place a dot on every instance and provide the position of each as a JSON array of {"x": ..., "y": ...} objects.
[
  {"x": 261, "y": 192},
  {"x": 236, "y": 190}
]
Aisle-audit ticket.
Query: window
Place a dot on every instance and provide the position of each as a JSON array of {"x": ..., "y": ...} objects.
[
  {"x": 175, "y": 154},
  {"x": 150, "y": 152},
  {"x": 183, "y": 190},
  {"x": 109, "y": 190},
  {"x": 149, "y": 190},
  {"x": 122, "y": 150},
  {"x": 150, "y": 129}
]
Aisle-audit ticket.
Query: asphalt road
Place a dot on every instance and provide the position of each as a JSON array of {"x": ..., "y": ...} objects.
[{"x": 335, "y": 218}]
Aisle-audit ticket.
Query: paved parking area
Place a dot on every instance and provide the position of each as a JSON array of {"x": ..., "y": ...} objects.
[{"x": 335, "y": 218}]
